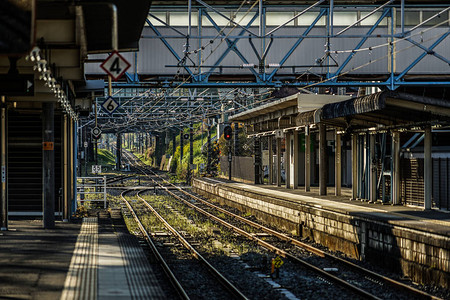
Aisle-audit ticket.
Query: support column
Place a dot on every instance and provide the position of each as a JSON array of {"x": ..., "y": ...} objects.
[
  {"x": 396, "y": 168},
  {"x": 209, "y": 151},
  {"x": 181, "y": 146},
  {"x": 307, "y": 160},
  {"x": 337, "y": 165},
  {"x": 296, "y": 157},
  {"x": 428, "y": 164},
  {"x": 322, "y": 159},
  {"x": 258, "y": 159},
  {"x": 48, "y": 165},
  {"x": 287, "y": 161},
  {"x": 118, "y": 151},
  {"x": 174, "y": 143},
  {"x": 354, "y": 166},
  {"x": 278, "y": 162},
  {"x": 4, "y": 162},
  {"x": 72, "y": 161},
  {"x": 373, "y": 170},
  {"x": 66, "y": 170},
  {"x": 270, "y": 142},
  {"x": 191, "y": 151}
]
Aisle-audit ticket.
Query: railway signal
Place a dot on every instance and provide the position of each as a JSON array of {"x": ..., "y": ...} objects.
[{"x": 227, "y": 132}]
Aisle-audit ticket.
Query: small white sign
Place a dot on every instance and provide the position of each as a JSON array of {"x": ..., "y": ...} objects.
[
  {"x": 96, "y": 132},
  {"x": 279, "y": 134},
  {"x": 115, "y": 65},
  {"x": 110, "y": 105},
  {"x": 96, "y": 169},
  {"x": 85, "y": 144}
]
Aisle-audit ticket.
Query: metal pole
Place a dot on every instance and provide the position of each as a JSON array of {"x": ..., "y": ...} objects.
[
  {"x": 258, "y": 160},
  {"x": 230, "y": 160},
  {"x": 287, "y": 161},
  {"x": 181, "y": 146},
  {"x": 330, "y": 18},
  {"x": 337, "y": 165},
  {"x": 396, "y": 168},
  {"x": 270, "y": 142},
  {"x": 296, "y": 158},
  {"x": 48, "y": 165},
  {"x": 354, "y": 166},
  {"x": 278, "y": 161},
  {"x": 209, "y": 150},
  {"x": 95, "y": 145},
  {"x": 307, "y": 159},
  {"x": 3, "y": 141},
  {"x": 261, "y": 20},
  {"x": 402, "y": 16},
  {"x": 190, "y": 22},
  {"x": 191, "y": 151},
  {"x": 428, "y": 175},
  {"x": 118, "y": 151},
  {"x": 373, "y": 170},
  {"x": 66, "y": 171},
  {"x": 72, "y": 160},
  {"x": 322, "y": 159},
  {"x": 174, "y": 143}
]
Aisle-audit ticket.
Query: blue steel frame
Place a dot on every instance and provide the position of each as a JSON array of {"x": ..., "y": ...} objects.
[{"x": 199, "y": 79}]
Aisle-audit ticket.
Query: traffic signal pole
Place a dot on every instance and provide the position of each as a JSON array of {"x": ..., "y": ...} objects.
[{"x": 227, "y": 134}]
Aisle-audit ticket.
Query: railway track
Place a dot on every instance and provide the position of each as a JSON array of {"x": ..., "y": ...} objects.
[
  {"x": 231, "y": 290},
  {"x": 355, "y": 278}
]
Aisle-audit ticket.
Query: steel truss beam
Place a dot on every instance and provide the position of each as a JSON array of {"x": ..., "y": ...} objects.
[{"x": 333, "y": 78}]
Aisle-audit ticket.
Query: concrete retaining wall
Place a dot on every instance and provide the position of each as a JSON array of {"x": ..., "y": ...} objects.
[{"x": 420, "y": 255}]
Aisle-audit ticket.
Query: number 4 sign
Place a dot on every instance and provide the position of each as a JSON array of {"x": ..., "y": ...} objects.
[{"x": 115, "y": 65}]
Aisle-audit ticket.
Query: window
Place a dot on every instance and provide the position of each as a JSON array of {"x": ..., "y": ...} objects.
[
  {"x": 436, "y": 20},
  {"x": 278, "y": 18},
  {"x": 178, "y": 18},
  {"x": 411, "y": 18},
  {"x": 159, "y": 15},
  {"x": 218, "y": 19},
  {"x": 307, "y": 18},
  {"x": 243, "y": 18},
  {"x": 370, "y": 21},
  {"x": 343, "y": 18}
]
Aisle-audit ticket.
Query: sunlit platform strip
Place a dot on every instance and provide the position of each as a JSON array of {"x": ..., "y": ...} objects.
[
  {"x": 109, "y": 265},
  {"x": 81, "y": 280}
]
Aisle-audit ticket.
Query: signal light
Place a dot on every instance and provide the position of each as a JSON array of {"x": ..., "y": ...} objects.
[{"x": 227, "y": 132}]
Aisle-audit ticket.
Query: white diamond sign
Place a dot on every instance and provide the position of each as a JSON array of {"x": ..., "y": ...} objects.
[
  {"x": 96, "y": 133},
  {"x": 110, "y": 105},
  {"x": 115, "y": 65}
]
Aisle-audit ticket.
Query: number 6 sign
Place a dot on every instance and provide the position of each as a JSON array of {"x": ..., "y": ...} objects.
[
  {"x": 110, "y": 105},
  {"x": 115, "y": 65}
]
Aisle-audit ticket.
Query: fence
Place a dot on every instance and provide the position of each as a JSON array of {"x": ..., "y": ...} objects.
[
  {"x": 91, "y": 189},
  {"x": 242, "y": 168}
]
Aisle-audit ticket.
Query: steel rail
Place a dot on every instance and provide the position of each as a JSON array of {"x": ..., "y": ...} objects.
[
  {"x": 225, "y": 282},
  {"x": 391, "y": 282},
  {"x": 172, "y": 278},
  {"x": 275, "y": 249}
]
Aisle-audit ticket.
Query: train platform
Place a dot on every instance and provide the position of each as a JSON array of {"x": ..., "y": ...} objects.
[
  {"x": 95, "y": 258},
  {"x": 434, "y": 221},
  {"x": 411, "y": 241}
]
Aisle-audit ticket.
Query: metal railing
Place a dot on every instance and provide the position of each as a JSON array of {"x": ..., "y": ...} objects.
[{"x": 91, "y": 189}]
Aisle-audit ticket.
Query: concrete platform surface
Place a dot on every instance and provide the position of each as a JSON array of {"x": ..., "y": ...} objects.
[
  {"x": 34, "y": 261},
  {"x": 94, "y": 258}
]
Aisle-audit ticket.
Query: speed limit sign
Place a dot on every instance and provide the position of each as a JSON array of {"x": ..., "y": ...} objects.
[{"x": 110, "y": 105}]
